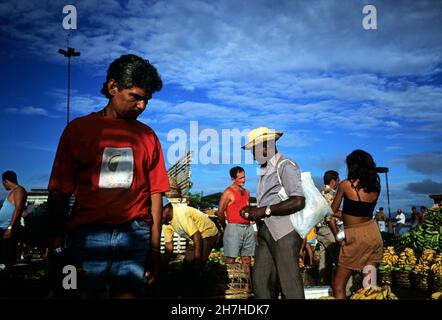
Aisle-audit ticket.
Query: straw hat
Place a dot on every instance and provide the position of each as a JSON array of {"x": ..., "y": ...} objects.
[{"x": 260, "y": 135}]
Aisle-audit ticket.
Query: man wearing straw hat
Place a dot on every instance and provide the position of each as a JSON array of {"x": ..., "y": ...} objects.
[{"x": 278, "y": 245}]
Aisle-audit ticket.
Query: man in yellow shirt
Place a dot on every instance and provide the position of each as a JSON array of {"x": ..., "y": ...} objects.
[{"x": 194, "y": 225}]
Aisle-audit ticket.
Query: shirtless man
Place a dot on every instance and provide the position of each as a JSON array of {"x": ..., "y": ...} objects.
[{"x": 10, "y": 215}]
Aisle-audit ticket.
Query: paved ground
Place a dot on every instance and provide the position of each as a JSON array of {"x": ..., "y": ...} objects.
[{"x": 28, "y": 279}]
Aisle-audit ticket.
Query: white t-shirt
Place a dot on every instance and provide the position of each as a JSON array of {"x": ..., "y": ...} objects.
[{"x": 400, "y": 218}]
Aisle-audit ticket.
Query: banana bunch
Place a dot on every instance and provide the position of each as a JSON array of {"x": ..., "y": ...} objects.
[
  {"x": 216, "y": 256},
  {"x": 374, "y": 293},
  {"x": 436, "y": 268},
  {"x": 427, "y": 256},
  {"x": 427, "y": 235},
  {"x": 389, "y": 260},
  {"x": 239, "y": 260},
  {"x": 407, "y": 259},
  {"x": 437, "y": 295},
  {"x": 421, "y": 268},
  {"x": 425, "y": 262}
]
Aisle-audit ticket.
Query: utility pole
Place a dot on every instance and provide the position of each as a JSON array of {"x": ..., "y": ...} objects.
[
  {"x": 68, "y": 54},
  {"x": 385, "y": 170}
]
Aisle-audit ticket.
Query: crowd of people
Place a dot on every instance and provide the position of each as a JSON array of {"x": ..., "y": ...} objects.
[
  {"x": 399, "y": 220},
  {"x": 114, "y": 166}
]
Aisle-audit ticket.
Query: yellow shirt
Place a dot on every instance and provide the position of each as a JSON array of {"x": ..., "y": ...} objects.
[
  {"x": 186, "y": 221},
  {"x": 312, "y": 235}
]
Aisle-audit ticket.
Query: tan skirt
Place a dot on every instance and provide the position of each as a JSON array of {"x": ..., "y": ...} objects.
[{"x": 362, "y": 246}]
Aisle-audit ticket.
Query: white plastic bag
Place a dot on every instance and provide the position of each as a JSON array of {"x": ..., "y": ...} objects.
[{"x": 316, "y": 207}]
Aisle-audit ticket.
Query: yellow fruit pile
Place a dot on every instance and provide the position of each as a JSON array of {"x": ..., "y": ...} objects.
[
  {"x": 437, "y": 295},
  {"x": 424, "y": 262},
  {"x": 239, "y": 260},
  {"x": 436, "y": 267},
  {"x": 216, "y": 256},
  {"x": 389, "y": 258},
  {"x": 406, "y": 259},
  {"x": 374, "y": 293}
]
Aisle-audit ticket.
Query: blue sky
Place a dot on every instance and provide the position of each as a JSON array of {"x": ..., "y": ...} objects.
[{"x": 307, "y": 68}]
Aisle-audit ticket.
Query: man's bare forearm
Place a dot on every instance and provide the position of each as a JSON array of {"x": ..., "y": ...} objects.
[
  {"x": 289, "y": 206},
  {"x": 157, "y": 209}
]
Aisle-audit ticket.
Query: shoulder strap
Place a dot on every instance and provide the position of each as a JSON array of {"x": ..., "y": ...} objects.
[
  {"x": 279, "y": 164},
  {"x": 356, "y": 189}
]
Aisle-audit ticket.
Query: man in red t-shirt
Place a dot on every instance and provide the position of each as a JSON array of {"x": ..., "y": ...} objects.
[
  {"x": 239, "y": 236},
  {"x": 114, "y": 167}
]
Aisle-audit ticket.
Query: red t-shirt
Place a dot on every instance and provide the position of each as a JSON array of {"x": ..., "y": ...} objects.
[
  {"x": 112, "y": 166},
  {"x": 233, "y": 209}
]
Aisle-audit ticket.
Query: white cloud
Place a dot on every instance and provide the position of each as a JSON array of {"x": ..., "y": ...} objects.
[
  {"x": 392, "y": 148},
  {"x": 285, "y": 64},
  {"x": 28, "y": 111},
  {"x": 79, "y": 104},
  {"x": 264, "y": 56}
]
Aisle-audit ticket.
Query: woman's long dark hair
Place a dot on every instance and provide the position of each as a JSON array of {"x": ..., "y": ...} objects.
[{"x": 361, "y": 166}]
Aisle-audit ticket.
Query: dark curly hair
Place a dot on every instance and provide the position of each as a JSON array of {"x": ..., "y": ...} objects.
[
  {"x": 361, "y": 166},
  {"x": 9, "y": 175},
  {"x": 132, "y": 71},
  {"x": 330, "y": 175}
]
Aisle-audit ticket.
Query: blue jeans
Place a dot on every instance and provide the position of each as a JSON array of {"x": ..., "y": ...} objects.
[{"x": 110, "y": 257}]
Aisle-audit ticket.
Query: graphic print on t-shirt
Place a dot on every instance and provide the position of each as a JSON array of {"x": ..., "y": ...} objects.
[{"x": 117, "y": 168}]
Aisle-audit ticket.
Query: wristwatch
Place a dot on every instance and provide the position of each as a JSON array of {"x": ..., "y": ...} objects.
[{"x": 268, "y": 211}]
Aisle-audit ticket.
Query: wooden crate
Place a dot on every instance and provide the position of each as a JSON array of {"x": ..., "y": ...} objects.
[{"x": 239, "y": 285}]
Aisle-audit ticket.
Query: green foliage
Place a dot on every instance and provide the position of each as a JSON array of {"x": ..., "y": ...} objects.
[{"x": 198, "y": 201}]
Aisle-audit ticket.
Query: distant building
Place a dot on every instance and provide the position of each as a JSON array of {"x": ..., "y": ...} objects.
[
  {"x": 37, "y": 197},
  {"x": 36, "y": 204}
]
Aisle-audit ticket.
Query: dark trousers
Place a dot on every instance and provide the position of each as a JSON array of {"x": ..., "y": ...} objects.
[
  {"x": 276, "y": 264},
  {"x": 328, "y": 254},
  {"x": 8, "y": 249}
]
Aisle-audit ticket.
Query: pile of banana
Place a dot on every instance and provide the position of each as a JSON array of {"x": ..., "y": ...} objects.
[
  {"x": 239, "y": 260},
  {"x": 437, "y": 295},
  {"x": 406, "y": 260},
  {"x": 216, "y": 256},
  {"x": 389, "y": 260},
  {"x": 425, "y": 261},
  {"x": 374, "y": 293},
  {"x": 427, "y": 235},
  {"x": 436, "y": 268}
]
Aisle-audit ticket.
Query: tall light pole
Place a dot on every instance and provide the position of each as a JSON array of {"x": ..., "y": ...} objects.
[
  {"x": 385, "y": 170},
  {"x": 68, "y": 54}
]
